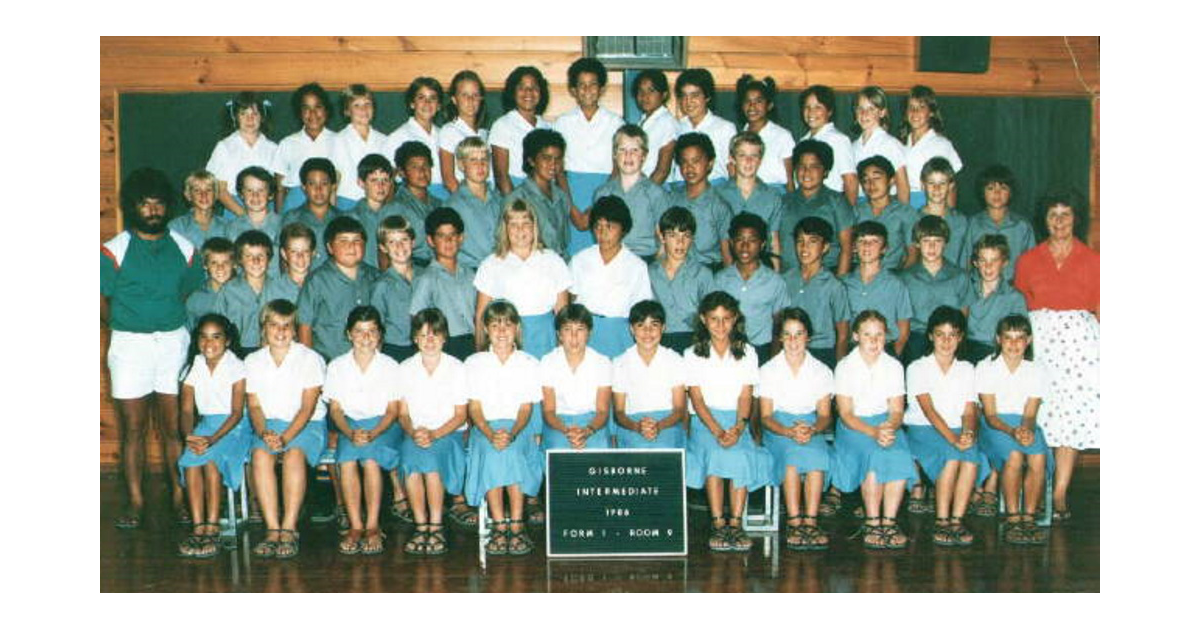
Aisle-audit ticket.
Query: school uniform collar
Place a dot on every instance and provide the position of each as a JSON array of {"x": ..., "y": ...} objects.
[
  {"x": 658, "y": 113},
  {"x": 437, "y": 267},
  {"x": 687, "y": 122},
  {"x": 932, "y": 133}
]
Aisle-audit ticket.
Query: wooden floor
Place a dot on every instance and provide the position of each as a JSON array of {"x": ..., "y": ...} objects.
[{"x": 144, "y": 561}]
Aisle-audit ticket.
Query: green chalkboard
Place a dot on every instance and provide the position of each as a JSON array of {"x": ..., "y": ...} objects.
[{"x": 615, "y": 502}]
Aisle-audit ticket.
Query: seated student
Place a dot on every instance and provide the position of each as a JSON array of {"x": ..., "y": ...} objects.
[
  {"x": 283, "y": 400},
  {"x": 335, "y": 288},
  {"x": 529, "y": 276},
  {"x": 433, "y": 414},
  {"x": 526, "y": 95},
  {"x": 256, "y": 187},
  {"x": 249, "y": 119},
  {"x": 319, "y": 180},
  {"x": 423, "y": 99},
  {"x": 242, "y": 298},
  {"x": 413, "y": 195},
  {"x": 812, "y": 198},
  {"x": 200, "y": 222},
  {"x": 996, "y": 186},
  {"x": 476, "y": 202},
  {"x": 355, "y": 141},
  {"x": 795, "y": 391},
  {"x": 941, "y": 423},
  {"x": 392, "y": 293},
  {"x": 677, "y": 279},
  {"x": 755, "y": 102},
  {"x": 875, "y": 174},
  {"x": 871, "y": 120},
  {"x": 646, "y": 200},
  {"x": 651, "y": 92},
  {"x": 990, "y": 298},
  {"x": 818, "y": 104},
  {"x": 362, "y": 391},
  {"x": 311, "y": 106},
  {"x": 467, "y": 113},
  {"x": 694, "y": 154},
  {"x": 1011, "y": 387},
  {"x": 212, "y": 416},
  {"x": 543, "y": 151},
  {"x": 375, "y": 175},
  {"x": 695, "y": 91},
  {"x": 502, "y": 387},
  {"x": 446, "y": 284},
  {"x": 814, "y": 289},
  {"x": 871, "y": 451},
  {"x": 609, "y": 279},
  {"x": 870, "y": 287},
  {"x": 760, "y": 291},
  {"x": 217, "y": 255},
  {"x": 746, "y": 192},
  {"x": 297, "y": 245},
  {"x": 932, "y": 282},
  {"x": 649, "y": 399},
  {"x": 576, "y": 386},
  {"x": 937, "y": 182},
  {"x": 721, "y": 371},
  {"x": 588, "y": 159}
]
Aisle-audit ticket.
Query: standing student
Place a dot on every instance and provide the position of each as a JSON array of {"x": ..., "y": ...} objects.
[
  {"x": 247, "y": 120},
  {"x": 876, "y": 175},
  {"x": 447, "y": 284},
  {"x": 990, "y": 298},
  {"x": 526, "y": 95},
  {"x": 476, "y": 201},
  {"x": 921, "y": 133},
  {"x": 646, "y": 200},
  {"x": 201, "y": 221},
  {"x": 694, "y": 153},
  {"x": 467, "y": 113},
  {"x": 576, "y": 386},
  {"x": 297, "y": 243},
  {"x": 871, "y": 451},
  {"x": 870, "y": 287},
  {"x": 502, "y": 386},
  {"x": 392, "y": 292},
  {"x": 937, "y": 182},
  {"x": 333, "y": 290},
  {"x": 816, "y": 291},
  {"x": 319, "y": 182},
  {"x": 871, "y": 122},
  {"x": 256, "y": 188},
  {"x": 813, "y": 159},
  {"x": 217, "y": 254},
  {"x": 760, "y": 292},
  {"x": 817, "y": 105},
  {"x": 423, "y": 100},
  {"x": 651, "y": 92},
  {"x": 414, "y": 198},
  {"x": 748, "y": 193},
  {"x": 212, "y": 417},
  {"x": 996, "y": 187},
  {"x": 721, "y": 371},
  {"x": 795, "y": 392},
  {"x": 695, "y": 90},
  {"x": 679, "y": 281},
  {"x": 755, "y": 103},
  {"x": 932, "y": 282},
  {"x": 542, "y": 192},
  {"x": 649, "y": 396},
  {"x": 354, "y": 142},
  {"x": 311, "y": 106},
  {"x": 376, "y": 177},
  {"x": 242, "y": 298}
]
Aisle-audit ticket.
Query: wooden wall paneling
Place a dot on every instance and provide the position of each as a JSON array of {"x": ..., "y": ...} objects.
[{"x": 118, "y": 46}]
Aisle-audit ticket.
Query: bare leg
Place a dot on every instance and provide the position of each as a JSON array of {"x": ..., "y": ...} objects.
[
  {"x": 893, "y": 494},
  {"x": 416, "y": 497},
  {"x": 435, "y": 495},
  {"x": 212, "y": 493},
  {"x": 963, "y": 487},
  {"x": 515, "y": 504},
  {"x": 352, "y": 493},
  {"x": 716, "y": 496},
  {"x": 1011, "y": 480},
  {"x": 943, "y": 494},
  {"x": 737, "y": 500},
  {"x": 373, "y": 491},
  {"x": 167, "y": 411},
  {"x": 1064, "y": 467},
  {"x": 1035, "y": 482},
  {"x": 872, "y": 496},
  {"x": 132, "y": 418},
  {"x": 295, "y": 481},
  {"x": 262, "y": 465},
  {"x": 813, "y": 482},
  {"x": 398, "y": 489},
  {"x": 195, "y": 494},
  {"x": 791, "y": 491}
]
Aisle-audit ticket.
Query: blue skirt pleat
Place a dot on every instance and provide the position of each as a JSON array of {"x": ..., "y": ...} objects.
[
  {"x": 385, "y": 449},
  {"x": 610, "y": 335},
  {"x": 489, "y": 468},
  {"x": 583, "y": 186},
  {"x": 557, "y": 439},
  {"x": 537, "y": 334},
  {"x": 855, "y": 454},
  {"x": 746, "y": 464},
  {"x": 671, "y": 437},
  {"x": 805, "y": 458},
  {"x": 311, "y": 439},
  {"x": 997, "y": 446},
  {"x": 932, "y": 451},
  {"x": 446, "y": 457},
  {"x": 229, "y": 454}
]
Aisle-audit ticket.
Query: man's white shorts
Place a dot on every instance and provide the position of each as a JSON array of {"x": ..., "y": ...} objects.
[{"x": 141, "y": 363}]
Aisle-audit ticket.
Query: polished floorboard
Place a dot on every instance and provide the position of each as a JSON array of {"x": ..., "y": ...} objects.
[{"x": 144, "y": 561}]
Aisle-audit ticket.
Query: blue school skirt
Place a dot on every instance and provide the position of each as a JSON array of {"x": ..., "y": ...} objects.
[
  {"x": 229, "y": 454},
  {"x": 610, "y": 335},
  {"x": 385, "y": 449},
  {"x": 537, "y": 334},
  {"x": 557, "y": 439},
  {"x": 746, "y": 464},
  {"x": 489, "y": 468},
  {"x": 856, "y": 454},
  {"x": 997, "y": 446},
  {"x": 311, "y": 439},
  {"x": 583, "y": 186},
  {"x": 446, "y": 457},
  {"x": 671, "y": 437},
  {"x": 805, "y": 458},
  {"x": 932, "y": 451}
]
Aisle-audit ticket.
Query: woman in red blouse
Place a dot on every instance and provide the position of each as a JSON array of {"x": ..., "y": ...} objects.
[{"x": 1060, "y": 279}]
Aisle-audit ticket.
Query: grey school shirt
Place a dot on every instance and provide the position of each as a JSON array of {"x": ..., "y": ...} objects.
[
  {"x": 823, "y": 297},
  {"x": 326, "y": 300},
  {"x": 392, "y": 295},
  {"x": 681, "y": 295},
  {"x": 899, "y": 219},
  {"x": 647, "y": 202},
  {"x": 826, "y": 204},
  {"x": 553, "y": 214},
  {"x": 408, "y": 206},
  {"x": 451, "y": 293},
  {"x": 764, "y": 201},
  {"x": 303, "y": 214},
  {"x": 712, "y": 215},
  {"x": 479, "y": 218}
]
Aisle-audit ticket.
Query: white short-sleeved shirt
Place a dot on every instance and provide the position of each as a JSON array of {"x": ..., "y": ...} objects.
[
  {"x": 349, "y": 149},
  {"x": 431, "y": 398},
  {"x": 361, "y": 394},
  {"x": 1011, "y": 389},
  {"x": 575, "y": 390},
  {"x": 501, "y": 388},
  {"x": 458, "y": 130},
  {"x": 661, "y": 129},
  {"x": 508, "y": 133},
  {"x": 295, "y": 149},
  {"x": 412, "y": 130},
  {"x": 232, "y": 154},
  {"x": 869, "y": 386},
  {"x": 881, "y": 143},
  {"x": 931, "y": 145},
  {"x": 795, "y": 393},
  {"x": 532, "y": 285},
  {"x": 779, "y": 144},
  {"x": 843, "y": 155},
  {"x": 589, "y": 142},
  {"x": 648, "y": 387},
  {"x": 609, "y": 290},
  {"x": 720, "y": 131},
  {"x": 720, "y": 378},
  {"x": 214, "y": 390},
  {"x": 951, "y": 391},
  {"x": 279, "y": 388}
]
